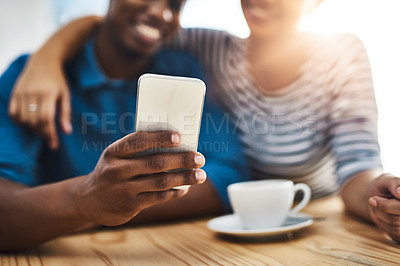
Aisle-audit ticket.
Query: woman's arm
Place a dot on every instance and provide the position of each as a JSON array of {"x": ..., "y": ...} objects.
[
  {"x": 42, "y": 84},
  {"x": 69, "y": 40},
  {"x": 377, "y": 198},
  {"x": 355, "y": 195},
  {"x": 353, "y": 130},
  {"x": 210, "y": 47}
]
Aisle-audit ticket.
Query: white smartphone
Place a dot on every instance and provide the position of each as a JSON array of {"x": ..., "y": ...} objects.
[{"x": 171, "y": 103}]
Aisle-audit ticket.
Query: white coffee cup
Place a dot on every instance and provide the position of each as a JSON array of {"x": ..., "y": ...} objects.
[{"x": 266, "y": 203}]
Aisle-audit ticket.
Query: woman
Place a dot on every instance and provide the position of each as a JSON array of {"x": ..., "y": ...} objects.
[{"x": 303, "y": 105}]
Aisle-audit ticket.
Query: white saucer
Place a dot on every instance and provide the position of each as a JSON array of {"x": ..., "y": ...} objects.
[{"x": 230, "y": 225}]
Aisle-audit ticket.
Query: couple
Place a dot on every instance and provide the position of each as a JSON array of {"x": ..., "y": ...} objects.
[{"x": 312, "y": 97}]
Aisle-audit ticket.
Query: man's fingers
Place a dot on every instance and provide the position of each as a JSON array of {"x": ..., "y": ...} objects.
[
  {"x": 165, "y": 181},
  {"x": 140, "y": 141},
  {"x": 389, "y": 206},
  {"x": 161, "y": 162},
  {"x": 124, "y": 169},
  {"x": 148, "y": 199},
  {"x": 65, "y": 113}
]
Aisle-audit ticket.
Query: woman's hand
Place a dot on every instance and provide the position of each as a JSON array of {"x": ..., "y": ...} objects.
[
  {"x": 384, "y": 204},
  {"x": 123, "y": 183},
  {"x": 38, "y": 91},
  {"x": 42, "y": 86}
]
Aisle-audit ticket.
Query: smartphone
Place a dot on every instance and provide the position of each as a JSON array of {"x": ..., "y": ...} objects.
[{"x": 170, "y": 103}]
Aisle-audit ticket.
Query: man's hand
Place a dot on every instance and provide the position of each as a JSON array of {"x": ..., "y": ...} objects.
[
  {"x": 384, "y": 204},
  {"x": 122, "y": 185}
]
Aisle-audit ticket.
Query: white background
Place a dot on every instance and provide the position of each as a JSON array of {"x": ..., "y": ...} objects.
[{"x": 24, "y": 24}]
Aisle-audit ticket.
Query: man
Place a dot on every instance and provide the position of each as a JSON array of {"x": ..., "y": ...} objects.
[{"x": 86, "y": 182}]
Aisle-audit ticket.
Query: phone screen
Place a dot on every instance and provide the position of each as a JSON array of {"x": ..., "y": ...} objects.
[{"x": 170, "y": 103}]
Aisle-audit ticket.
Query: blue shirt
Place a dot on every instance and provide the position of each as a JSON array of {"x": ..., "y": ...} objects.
[{"x": 103, "y": 111}]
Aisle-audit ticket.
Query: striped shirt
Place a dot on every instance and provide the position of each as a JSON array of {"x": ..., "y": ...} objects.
[{"x": 320, "y": 130}]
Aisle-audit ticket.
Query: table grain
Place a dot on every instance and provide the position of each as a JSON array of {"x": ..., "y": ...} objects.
[{"x": 339, "y": 239}]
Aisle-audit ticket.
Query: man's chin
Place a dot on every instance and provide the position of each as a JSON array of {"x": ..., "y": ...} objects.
[{"x": 142, "y": 49}]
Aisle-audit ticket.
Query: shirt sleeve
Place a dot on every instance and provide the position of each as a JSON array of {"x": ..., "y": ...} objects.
[
  {"x": 210, "y": 47},
  {"x": 353, "y": 129},
  {"x": 19, "y": 149},
  {"x": 225, "y": 161}
]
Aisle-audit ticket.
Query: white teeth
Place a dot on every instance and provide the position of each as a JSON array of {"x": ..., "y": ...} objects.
[{"x": 148, "y": 31}]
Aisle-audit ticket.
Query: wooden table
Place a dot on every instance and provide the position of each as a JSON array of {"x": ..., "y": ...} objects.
[{"x": 337, "y": 240}]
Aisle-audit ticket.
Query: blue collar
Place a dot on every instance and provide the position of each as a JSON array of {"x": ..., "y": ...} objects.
[{"x": 89, "y": 75}]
